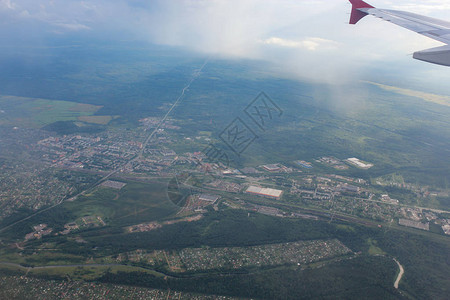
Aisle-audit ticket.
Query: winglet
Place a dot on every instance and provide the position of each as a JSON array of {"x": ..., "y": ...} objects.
[{"x": 356, "y": 13}]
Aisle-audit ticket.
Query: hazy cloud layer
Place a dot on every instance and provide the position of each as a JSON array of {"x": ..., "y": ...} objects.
[{"x": 309, "y": 38}]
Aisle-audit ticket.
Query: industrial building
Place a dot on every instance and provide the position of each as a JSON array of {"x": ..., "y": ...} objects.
[
  {"x": 349, "y": 189},
  {"x": 358, "y": 163},
  {"x": 208, "y": 198},
  {"x": 303, "y": 164},
  {"x": 264, "y": 192},
  {"x": 272, "y": 168}
]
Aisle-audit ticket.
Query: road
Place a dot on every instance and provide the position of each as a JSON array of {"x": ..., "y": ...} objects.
[
  {"x": 183, "y": 92},
  {"x": 400, "y": 274}
]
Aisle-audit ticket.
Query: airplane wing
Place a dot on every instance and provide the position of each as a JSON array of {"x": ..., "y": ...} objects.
[{"x": 433, "y": 28}]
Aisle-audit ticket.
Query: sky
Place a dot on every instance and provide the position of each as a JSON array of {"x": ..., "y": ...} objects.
[{"x": 302, "y": 38}]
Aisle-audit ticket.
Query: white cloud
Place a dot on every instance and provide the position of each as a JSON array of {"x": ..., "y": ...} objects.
[
  {"x": 311, "y": 44},
  {"x": 7, "y": 4},
  {"x": 291, "y": 33},
  {"x": 422, "y": 7},
  {"x": 72, "y": 26},
  {"x": 64, "y": 15}
]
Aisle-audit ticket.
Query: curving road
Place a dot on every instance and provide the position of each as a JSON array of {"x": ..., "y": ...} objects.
[{"x": 400, "y": 274}]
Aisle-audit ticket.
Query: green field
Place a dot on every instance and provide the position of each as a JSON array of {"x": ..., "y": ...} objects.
[
  {"x": 37, "y": 113},
  {"x": 135, "y": 203}
]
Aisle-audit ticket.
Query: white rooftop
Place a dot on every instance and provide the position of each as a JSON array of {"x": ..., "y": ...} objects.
[{"x": 264, "y": 191}]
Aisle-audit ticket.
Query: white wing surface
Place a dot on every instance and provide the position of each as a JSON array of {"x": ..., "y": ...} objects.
[{"x": 433, "y": 28}]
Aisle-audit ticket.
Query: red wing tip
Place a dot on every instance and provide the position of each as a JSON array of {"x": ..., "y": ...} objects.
[
  {"x": 360, "y": 4},
  {"x": 356, "y": 16},
  {"x": 356, "y": 13}
]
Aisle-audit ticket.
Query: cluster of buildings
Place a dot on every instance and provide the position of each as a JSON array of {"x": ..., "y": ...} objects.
[
  {"x": 340, "y": 165},
  {"x": 226, "y": 186},
  {"x": 414, "y": 224},
  {"x": 445, "y": 225},
  {"x": 199, "y": 201},
  {"x": 143, "y": 227},
  {"x": 39, "y": 231},
  {"x": 82, "y": 223},
  {"x": 153, "y": 122},
  {"x": 197, "y": 259},
  {"x": 69, "y": 227},
  {"x": 358, "y": 163},
  {"x": 118, "y": 148},
  {"x": 325, "y": 187},
  {"x": 151, "y": 258},
  {"x": 155, "y": 225},
  {"x": 332, "y": 162},
  {"x": 80, "y": 152},
  {"x": 303, "y": 164},
  {"x": 23, "y": 287},
  {"x": 31, "y": 186},
  {"x": 276, "y": 168},
  {"x": 295, "y": 253},
  {"x": 386, "y": 198}
]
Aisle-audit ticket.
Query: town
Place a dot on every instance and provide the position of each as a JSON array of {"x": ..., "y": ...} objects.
[{"x": 85, "y": 159}]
